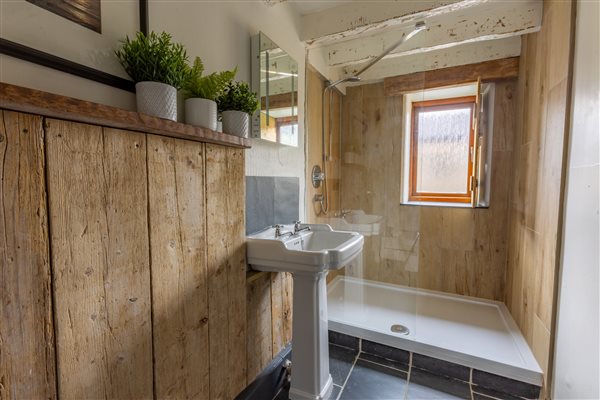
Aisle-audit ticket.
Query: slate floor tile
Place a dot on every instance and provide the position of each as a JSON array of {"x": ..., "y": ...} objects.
[
  {"x": 370, "y": 381},
  {"x": 423, "y": 385},
  {"x": 340, "y": 363},
  {"x": 383, "y": 361}
]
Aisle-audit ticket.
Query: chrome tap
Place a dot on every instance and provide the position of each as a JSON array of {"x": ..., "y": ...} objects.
[
  {"x": 343, "y": 213},
  {"x": 279, "y": 233},
  {"x": 297, "y": 228}
]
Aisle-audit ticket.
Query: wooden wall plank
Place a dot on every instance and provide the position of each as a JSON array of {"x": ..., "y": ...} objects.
[
  {"x": 287, "y": 294},
  {"x": 276, "y": 311},
  {"x": 99, "y": 240},
  {"x": 260, "y": 331},
  {"x": 179, "y": 275},
  {"x": 27, "y": 363},
  {"x": 281, "y": 310},
  {"x": 506, "y": 68},
  {"x": 226, "y": 261}
]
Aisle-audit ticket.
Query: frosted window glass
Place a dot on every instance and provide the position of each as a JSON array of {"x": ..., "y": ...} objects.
[
  {"x": 288, "y": 134},
  {"x": 443, "y": 150}
]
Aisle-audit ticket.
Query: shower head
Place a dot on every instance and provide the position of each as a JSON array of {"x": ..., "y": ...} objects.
[
  {"x": 348, "y": 79},
  {"x": 420, "y": 25}
]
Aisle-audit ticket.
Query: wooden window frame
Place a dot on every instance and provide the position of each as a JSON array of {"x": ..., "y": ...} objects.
[{"x": 440, "y": 104}]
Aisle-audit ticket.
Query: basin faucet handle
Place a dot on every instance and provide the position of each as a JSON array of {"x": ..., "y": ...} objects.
[
  {"x": 298, "y": 229},
  {"x": 278, "y": 229}
]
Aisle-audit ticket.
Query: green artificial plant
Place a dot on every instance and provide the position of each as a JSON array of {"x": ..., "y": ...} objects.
[
  {"x": 238, "y": 97},
  {"x": 154, "y": 58},
  {"x": 207, "y": 87}
]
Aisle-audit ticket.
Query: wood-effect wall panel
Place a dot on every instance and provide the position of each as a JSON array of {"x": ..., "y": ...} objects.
[
  {"x": 27, "y": 364},
  {"x": 100, "y": 257},
  {"x": 455, "y": 250},
  {"x": 538, "y": 165},
  {"x": 226, "y": 262},
  {"x": 177, "y": 218}
]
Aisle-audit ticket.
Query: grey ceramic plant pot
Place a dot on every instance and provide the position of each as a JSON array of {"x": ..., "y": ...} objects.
[
  {"x": 156, "y": 99},
  {"x": 236, "y": 123},
  {"x": 201, "y": 112}
]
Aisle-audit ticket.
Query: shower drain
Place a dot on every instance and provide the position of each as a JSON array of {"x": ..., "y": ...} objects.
[{"x": 401, "y": 329}]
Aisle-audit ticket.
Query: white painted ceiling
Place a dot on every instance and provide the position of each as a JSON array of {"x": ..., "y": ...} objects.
[{"x": 304, "y": 7}]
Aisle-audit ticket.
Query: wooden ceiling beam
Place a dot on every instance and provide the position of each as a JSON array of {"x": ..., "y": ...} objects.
[
  {"x": 358, "y": 18},
  {"x": 485, "y": 21}
]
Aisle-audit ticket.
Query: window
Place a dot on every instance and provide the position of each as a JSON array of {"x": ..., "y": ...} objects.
[
  {"x": 447, "y": 146},
  {"x": 441, "y": 145}
]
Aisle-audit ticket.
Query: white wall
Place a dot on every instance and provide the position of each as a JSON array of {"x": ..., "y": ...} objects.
[
  {"x": 577, "y": 347},
  {"x": 217, "y": 31}
]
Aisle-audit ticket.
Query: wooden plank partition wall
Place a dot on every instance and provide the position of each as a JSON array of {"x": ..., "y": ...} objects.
[
  {"x": 26, "y": 327},
  {"x": 100, "y": 257},
  {"x": 136, "y": 274},
  {"x": 269, "y": 318}
]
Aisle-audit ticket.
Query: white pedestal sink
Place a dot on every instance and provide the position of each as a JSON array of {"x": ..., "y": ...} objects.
[{"x": 308, "y": 255}]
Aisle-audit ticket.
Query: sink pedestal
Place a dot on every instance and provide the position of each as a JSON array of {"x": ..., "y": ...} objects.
[
  {"x": 308, "y": 252},
  {"x": 310, "y": 361}
]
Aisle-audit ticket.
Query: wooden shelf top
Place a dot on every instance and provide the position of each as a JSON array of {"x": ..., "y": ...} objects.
[{"x": 33, "y": 101}]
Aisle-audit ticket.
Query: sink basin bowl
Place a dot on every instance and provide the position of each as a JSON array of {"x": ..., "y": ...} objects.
[
  {"x": 318, "y": 249},
  {"x": 358, "y": 221}
]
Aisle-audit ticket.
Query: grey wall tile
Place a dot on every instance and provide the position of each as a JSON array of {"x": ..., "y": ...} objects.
[
  {"x": 287, "y": 200},
  {"x": 271, "y": 200}
]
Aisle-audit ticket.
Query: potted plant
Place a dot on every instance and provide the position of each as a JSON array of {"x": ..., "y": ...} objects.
[
  {"x": 236, "y": 104},
  {"x": 202, "y": 91},
  {"x": 159, "y": 68}
]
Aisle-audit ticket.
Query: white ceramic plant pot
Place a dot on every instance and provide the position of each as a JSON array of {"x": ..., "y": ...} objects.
[
  {"x": 236, "y": 123},
  {"x": 201, "y": 112},
  {"x": 156, "y": 99},
  {"x": 219, "y": 126}
]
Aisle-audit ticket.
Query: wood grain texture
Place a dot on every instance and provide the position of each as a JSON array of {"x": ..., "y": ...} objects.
[
  {"x": 99, "y": 240},
  {"x": 226, "y": 261},
  {"x": 455, "y": 250},
  {"x": 260, "y": 330},
  {"x": 51, "y": 105},
  {"x": 282, "y": 100},
  {"x": 27, "y": 363},
  {"x": 538, "y": 164},
  {"x": 179, "y": 274},
  {"x": 315, "y": 86},
  {"x": 281, "y": 310},
  {"x": 83, "y": 12},
  {"x": 494, "y": 70}
]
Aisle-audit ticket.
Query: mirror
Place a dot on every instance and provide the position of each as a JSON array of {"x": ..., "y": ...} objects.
[{"x": 275, "y": 79}]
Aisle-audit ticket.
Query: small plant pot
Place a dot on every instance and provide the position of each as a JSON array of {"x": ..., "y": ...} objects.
[
  {"x": 201, "y": 112},
  {"x": 156, "y": 99},
  {"x": 236, "y": 123}
]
